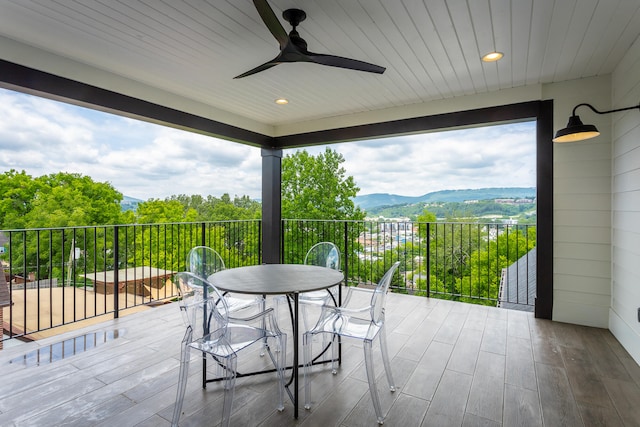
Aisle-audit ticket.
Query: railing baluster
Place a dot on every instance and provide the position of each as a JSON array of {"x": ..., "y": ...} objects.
[{"x": 116, "y": 276}]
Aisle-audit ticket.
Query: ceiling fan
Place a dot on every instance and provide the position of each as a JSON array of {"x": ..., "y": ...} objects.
[{"x": 293, "y": 48}]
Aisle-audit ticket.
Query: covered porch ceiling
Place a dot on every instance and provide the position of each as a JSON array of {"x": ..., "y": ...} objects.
[{"x": 174, "y": 62}]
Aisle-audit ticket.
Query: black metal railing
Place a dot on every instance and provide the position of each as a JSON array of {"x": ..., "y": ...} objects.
[
  {"x": 58, "y": 276},
  {"x": 452, "y": 260}
]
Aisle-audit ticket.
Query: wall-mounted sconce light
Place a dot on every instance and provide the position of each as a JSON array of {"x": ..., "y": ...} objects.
[{"x": 577, "y": 131}]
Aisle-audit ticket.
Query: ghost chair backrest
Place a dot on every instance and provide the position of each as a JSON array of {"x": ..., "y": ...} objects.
[
  {"x": 324, "y": 254},
  {"x": 378, "y": 299},
  {"x": 202, "y": 305},
  {"x": 204, "y": 261}
]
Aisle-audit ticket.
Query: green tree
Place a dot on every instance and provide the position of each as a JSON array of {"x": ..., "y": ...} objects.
[
  {"x": 220, "y": 209},
  {"x": 54, "y": 201},
  {"x": 236, "y": 209},
  {"x": 155, "y": 211},
  {"x": 18, "y": 193},
  {"x": 427, "y": 216},
  {"x": 316, "y": 190},
  {"x": 316, "y": 187},
  {"x": 425, "y": 222},
  {"x": 195, "y": 201},
  {"x": 71, "y": 199}
]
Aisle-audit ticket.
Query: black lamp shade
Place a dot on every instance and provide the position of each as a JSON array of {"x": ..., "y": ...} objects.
[{"x": 576, "y": 131}]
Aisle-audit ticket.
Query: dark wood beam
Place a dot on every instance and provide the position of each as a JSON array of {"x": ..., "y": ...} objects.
[
  {"x": 47, "y": 85},
  {"x": 480, "y": 116},
  {"x": 544, "y": 205}
]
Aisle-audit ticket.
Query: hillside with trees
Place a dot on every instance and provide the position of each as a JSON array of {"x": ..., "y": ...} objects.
[
  {"x": 450, "y": 211},
  {"x": 369, "y": 201}
]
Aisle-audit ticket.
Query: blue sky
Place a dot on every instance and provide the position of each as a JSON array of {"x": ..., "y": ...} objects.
[{"x": 144, "y": 160}]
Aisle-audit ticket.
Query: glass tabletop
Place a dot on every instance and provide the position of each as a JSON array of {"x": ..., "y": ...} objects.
[{"x": 275, "y": 279}]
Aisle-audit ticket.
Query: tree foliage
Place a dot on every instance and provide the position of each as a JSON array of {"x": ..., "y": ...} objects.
[
  {"x": 525, "y": 212},
  {"x": 212, "y": 208},
  {"x": 316, "y": 187},
  {"x": 155, "y": 211},
  {"x": 70, "y": 199},
  {"x": 18, "y": 193},
  {"x": 54, "y": 201},
  {"x": 424, "y": 219}
]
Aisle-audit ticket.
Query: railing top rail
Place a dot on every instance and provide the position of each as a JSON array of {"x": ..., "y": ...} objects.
[
  {"x": 76, "y": 227},
  {"x": 235, "y": 221}
]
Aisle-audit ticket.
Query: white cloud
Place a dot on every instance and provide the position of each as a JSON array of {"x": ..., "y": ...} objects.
[
  {"x": 139, "y": 159},
  {"x": 149, "y": 161},
  {"x": 493, "y": 156}
]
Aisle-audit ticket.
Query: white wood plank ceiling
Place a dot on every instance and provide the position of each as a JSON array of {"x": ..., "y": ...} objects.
[{"x": 431, "y": 48}]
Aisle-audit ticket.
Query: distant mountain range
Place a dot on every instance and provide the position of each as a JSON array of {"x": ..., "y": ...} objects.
[
  {"x": 369, "y": 201},
  {"x": 129, "y": 203}
]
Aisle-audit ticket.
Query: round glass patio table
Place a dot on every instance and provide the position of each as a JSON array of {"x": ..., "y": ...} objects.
[{"x": 279, "y": 279}]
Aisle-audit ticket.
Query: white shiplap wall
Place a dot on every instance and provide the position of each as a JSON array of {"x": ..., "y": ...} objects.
[
  {"x": 625, "y": 244},
  {"x": 582, "y": 207}
]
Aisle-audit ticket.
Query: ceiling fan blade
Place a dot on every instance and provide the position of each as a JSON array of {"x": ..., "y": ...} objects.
[
  {"x": 259, "y": 68},
  {"x": 293, "y": 48},
  {"x": 271, "y": 21},
  {"x": 339, "y": 61}
]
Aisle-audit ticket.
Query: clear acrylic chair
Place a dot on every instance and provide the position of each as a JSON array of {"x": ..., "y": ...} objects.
[
  {"x": 204, "y": 261},
  {"x": 324, "y": 254},
  {"x": 212, "y": 331},
  {"x": 364, "y": 322}
]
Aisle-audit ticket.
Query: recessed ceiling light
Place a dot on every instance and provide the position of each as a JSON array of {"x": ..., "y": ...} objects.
[
  {"x": 282, "y": 101},
  {"x": 492, "y": 56}
]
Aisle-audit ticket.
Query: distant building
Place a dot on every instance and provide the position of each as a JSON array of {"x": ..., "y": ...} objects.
[{"x": 504, "y": 201}]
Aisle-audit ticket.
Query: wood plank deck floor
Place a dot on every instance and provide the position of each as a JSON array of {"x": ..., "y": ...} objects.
[{"x": 454, "y": 364}]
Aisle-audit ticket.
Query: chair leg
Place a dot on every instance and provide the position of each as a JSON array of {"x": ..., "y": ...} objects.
[
  {"x": 328, "y": 339},
  {"x": 305, "y": 316},
  {"x": 325, "y": 341},
  {"x": 371, "y": 377},
  {"x": 264, "y": 326},
  {"x": 182, "y": 376},
  {"x": 385, "y": 359},
  {"x": 229, "y": 385},
  {"x": 281, "y": 363},
  {"x": 277, "y": 301},
  {"x": 334, "y": 352},
  {"x": 307, "y": 339}
]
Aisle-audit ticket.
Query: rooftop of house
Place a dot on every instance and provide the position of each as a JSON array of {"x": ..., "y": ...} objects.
[{"x": 514, "y": 294}]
